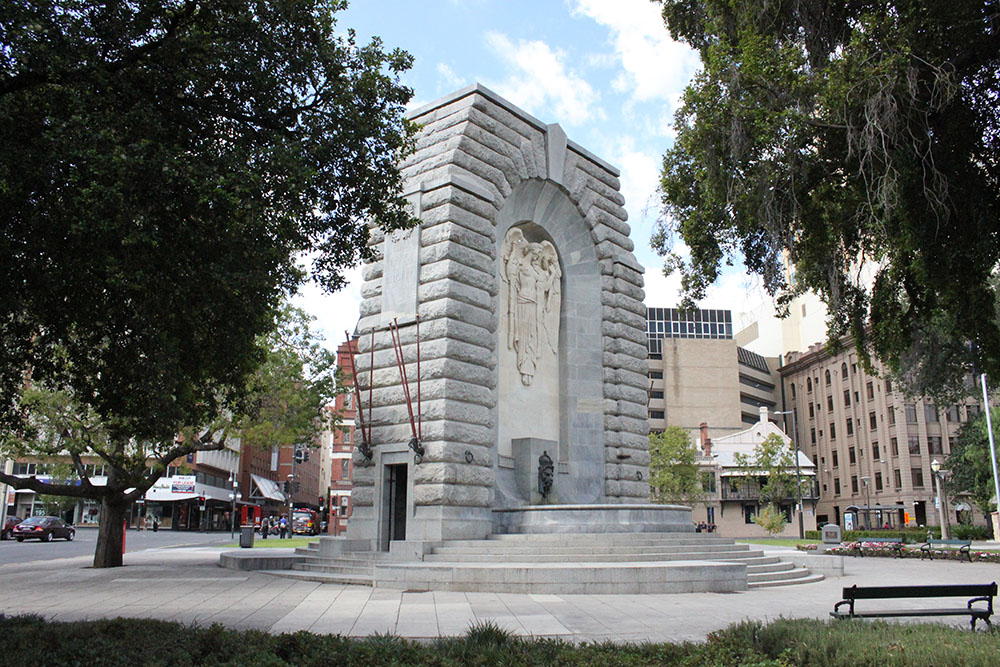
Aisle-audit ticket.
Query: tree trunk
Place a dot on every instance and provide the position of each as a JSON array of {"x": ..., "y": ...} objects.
[{"x": 110, "y": 534}]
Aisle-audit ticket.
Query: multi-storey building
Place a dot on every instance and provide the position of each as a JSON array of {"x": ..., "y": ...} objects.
[
  {"x": 343, "y": 445},
  {"x": 872, "y": 445},
  {"x": 699, "y": 374}
]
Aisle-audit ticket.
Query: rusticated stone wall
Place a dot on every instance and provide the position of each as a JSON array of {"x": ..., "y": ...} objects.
[{"x": 482, "y": 166}]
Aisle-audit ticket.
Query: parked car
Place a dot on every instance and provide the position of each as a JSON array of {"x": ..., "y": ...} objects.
[
  {"x": 43, "y": 528},
  {"x": 305, "y": 521},
  {"x": 8, "y": 526}
]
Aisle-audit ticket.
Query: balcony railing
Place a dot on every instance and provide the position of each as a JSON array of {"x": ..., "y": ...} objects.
[{"x": 752, "y": 492}]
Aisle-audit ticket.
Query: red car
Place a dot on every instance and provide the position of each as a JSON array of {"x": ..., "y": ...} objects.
[
  {"x": 305, "y": 521},
  {"x": 43, "y": 528},
  {"x": 8, "y": 526}
]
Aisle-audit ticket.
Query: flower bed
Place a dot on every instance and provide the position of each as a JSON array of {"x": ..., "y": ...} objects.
[{"x": 887, "y": 550}]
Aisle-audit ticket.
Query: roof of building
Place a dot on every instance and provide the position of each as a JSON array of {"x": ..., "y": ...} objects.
[{"x": 752, "y": 359}]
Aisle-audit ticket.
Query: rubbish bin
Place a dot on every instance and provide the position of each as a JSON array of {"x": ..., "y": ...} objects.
[{"x": 246, "y": 537}]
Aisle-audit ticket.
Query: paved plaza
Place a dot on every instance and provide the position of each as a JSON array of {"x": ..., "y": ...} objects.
[{"x": 187, "y": 585}]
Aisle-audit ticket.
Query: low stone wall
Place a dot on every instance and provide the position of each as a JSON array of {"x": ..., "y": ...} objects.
[{"x": 607, "y": 518}]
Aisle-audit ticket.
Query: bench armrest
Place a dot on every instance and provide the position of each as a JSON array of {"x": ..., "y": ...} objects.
[
  {"x": 988, "y": 599},
  {"x": 837, "y": 606}
]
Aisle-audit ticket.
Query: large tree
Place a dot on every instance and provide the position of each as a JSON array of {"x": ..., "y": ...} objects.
[
  {"x": 281, "y": 405},
  {"x": 859, "y": 141},
  {"x": 164, "y": 165},
  {"x": 970, "y": 464}
]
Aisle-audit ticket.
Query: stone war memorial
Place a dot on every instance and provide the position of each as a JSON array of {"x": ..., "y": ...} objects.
[{"x": 502, "y": 383}]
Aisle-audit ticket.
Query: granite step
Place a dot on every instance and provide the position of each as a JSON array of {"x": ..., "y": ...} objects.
[
  {"x": 791, "y": 578},
  {"x": 324, "y": 577},
  {"x": 624, "y": 549},
  {"x": 582, "y": 556}
]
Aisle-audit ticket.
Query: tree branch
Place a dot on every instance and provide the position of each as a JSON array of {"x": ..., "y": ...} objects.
[{"x": 34, "y": 484}]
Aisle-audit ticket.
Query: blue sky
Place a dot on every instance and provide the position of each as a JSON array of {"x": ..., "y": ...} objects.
[{"x": 605, "y": 70}]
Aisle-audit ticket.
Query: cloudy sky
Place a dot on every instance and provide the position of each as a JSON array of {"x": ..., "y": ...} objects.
[{"x": 605, "y": 70}]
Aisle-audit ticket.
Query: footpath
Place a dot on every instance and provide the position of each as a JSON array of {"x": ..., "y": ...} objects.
[{"x": 187, "y": 585}]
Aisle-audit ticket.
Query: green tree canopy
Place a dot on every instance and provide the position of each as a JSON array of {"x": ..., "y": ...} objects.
[
  {"x": 772, "y": 464},
  {"x": 673, "y": 473},
  {"x": 165, "y": 164},
  {"x": 282, "y": 406},
  {"x": 970, "y": 465},
  {"x": 859, "y": 142}
]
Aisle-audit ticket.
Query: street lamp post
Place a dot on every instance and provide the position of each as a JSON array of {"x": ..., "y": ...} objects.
[
  {"x": 939, "y": 476},
  {"x": 868, "y": 502},
  {"x": 798, "y": 474},
  {"x": 234, "y": 496}
]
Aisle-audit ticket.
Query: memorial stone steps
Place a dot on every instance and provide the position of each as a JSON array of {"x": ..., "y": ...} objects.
[{"x": 560, "y": 563}]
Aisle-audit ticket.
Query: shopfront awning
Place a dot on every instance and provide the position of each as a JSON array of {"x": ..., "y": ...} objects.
[
  {"x": 262, "y": 487},
  {"x": 164, "y": 493}
]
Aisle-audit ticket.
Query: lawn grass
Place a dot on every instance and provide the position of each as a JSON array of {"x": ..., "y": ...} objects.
[
  {"x": 275, "y": 543},
  {"x": 776, "y": 541},
  {"x": 31, "y": 640}
]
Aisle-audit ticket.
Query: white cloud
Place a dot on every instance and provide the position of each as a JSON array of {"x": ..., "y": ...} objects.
[
  {"x": 334, "y": 313},
  {"x": 541, "y": 80},
  {"x": 448, "y": 79},
  {"x": 656, "y": 66}
]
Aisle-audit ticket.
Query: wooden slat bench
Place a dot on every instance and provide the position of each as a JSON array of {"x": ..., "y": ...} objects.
[
  {"x": 895, "y": 542},
  {"x": 927, "y": 548},
  {"x": 978, "y": 593}
]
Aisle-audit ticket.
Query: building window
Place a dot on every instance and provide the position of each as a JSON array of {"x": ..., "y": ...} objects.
[
  {"x": 952, "y": 413},
  {"x": 793, "y": 390},
  {"x": 345, "y": 468},
  {"x": 911, "y": 413},
  {"x": 892, "y": 416},
  {"x": 829, "y": 403},
  {"x": 872, "y": 421},
  {"x": 656, "y": 375},
  {"x": 871, "y": 391},
  {"x": 843, "y": 371},
  {"x": 656, "y": 414},
  {"x": 934, "y": 444},
  {"x": 971, "y": 412},
  {"x": 348, "y": 401},
  {"x": 918, "y": 478},
  {"x": 656, "y": 394},
  {"x": 850, "y": 426},
  {"x": 930, "y": 413},
  {"x": 827, "y": 377},
  {"x": 897, "y": 478},
  {"x": 875, "y": 454},
  {"x": 749, "y": 511},
  {"x": 836, "y": 487},
  {"x": 878, "y": 482},
  {"x": 894, "y": 444},
  {"x": 812, "y": 435},
  {"x": 347, "y": 435},
  {"x": 913, "y": 442},
  {"x": 812, "y": 412},
  {"x": 809, "y": 384},
  {"x": 847, "y": 398},
  {"x": 851, "y": 456},
  {"x": 836, "y": 460},
  {"x": 854, "y": 484},
  {"x": 833, "y": 431},
  {"x": 888, "y": 386}
]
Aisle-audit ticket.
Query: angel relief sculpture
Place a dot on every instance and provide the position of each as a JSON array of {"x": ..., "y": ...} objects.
[{"x": 533, "y": 277}]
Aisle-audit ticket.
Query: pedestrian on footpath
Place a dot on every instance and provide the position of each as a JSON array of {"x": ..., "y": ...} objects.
[
  {"x": 283, "y": 526},
  {"x": 265, "y": 527}
]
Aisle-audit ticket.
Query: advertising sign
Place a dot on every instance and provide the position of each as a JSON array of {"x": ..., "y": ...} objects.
[{"x": 182, "y": 484}]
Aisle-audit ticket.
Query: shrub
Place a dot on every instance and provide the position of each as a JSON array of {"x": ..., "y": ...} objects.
[{"x": 964, "y": 531}]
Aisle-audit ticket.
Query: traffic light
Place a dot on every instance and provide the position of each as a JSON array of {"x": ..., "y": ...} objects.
[
  {"x": 301, "y": 454},
  {"x": 285, "y": 487},
  {"x": 201, "y": 502}
]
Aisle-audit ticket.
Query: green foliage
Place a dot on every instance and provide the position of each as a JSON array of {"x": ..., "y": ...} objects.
[
  {"x": 859, "y": 142},
  {"x": 772, "y": 465},
  {"x": 673, "y": 473},
  {"x": 771, "y": 519},
  {"x": 166, "y": 164},
  {"x": 969, "y": 462},
  {"x": 780, "y": 643},
  {"x": 964, "y": 531},
  {"x": 909, "y": 535}
]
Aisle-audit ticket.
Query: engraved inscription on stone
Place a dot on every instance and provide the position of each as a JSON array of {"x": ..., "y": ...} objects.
[{"x": 532, "y": 273}]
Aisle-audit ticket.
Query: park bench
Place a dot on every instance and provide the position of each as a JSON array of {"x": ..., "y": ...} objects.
[
  {"x": 927, "y": 548},
  {"x": 983, "y": 593},
  {"x": 895, "y": 542}
]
